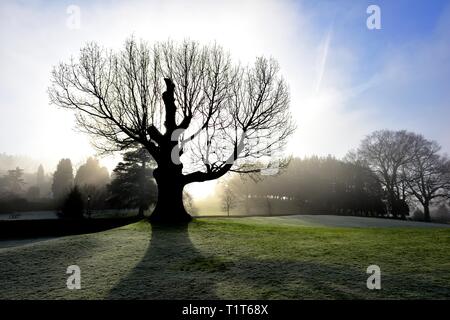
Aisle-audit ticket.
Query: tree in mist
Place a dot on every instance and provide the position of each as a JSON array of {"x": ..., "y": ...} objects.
[
  {"x": 242, "y": 187},
  {"x": 33, "y": 193},
  {"x": 62, "y": 179},
  {"x": 73, "y": 205},
  {"x": 213, "y": 117},
  {"x": 228, "y": 199},
  {"x": 91, "y": 173},
  {"x": 269, "y": 206},
  {"x": 427, "y": 174},
  {"x": 408, "y": 166},
  {"x": 386, "y": 152},
  {"x": 40, "y": 177},
  {"x": 313, "y": 185},
  {"x": 43, "y": 182},
  {"x": 14, "y": 182},
  {"x": 133, "y": 185},
  {"x": 3, "y": 187},
  {"x": 364, "y": 192},
  {"x": 328, "y": 185}
]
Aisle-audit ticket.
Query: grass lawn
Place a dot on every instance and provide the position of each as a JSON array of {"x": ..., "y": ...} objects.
[{"x": 236, "y": 258}]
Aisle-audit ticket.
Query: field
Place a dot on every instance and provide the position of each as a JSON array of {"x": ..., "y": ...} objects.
[{"x": 236, "y": 258}]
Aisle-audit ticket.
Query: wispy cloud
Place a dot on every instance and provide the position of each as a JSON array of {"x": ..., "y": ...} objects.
[{"x": 323, "y": 59}]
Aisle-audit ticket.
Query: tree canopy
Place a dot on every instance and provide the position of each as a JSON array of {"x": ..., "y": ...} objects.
[
  {"x": 133, "y": 185},
  {"x": 91, "y": 173}
]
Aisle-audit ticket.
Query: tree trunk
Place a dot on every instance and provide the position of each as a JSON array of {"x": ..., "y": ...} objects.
[
  {"x": 169, "y": 207},
  {"x": 426, "y": 212}
]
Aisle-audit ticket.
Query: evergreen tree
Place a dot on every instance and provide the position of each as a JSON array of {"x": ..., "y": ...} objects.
[
  {"x": 91, "y": 173},
  {"x": 40, "y": 177},
  {"x": 62, "y": 179},
  {"x": 133, "y": 185}
]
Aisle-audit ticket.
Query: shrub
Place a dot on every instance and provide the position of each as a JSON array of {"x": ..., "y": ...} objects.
[{"x": 73, "y": 205}]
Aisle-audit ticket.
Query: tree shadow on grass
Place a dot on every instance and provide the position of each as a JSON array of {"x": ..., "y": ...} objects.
[
  {"x": 273, "y": 279},
  {"x": 172, "y": 268}
]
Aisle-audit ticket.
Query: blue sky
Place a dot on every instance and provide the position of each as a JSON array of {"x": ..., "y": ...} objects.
[
  {"x": 345, "y": 79},
  {"x": 415, "y": 39}
]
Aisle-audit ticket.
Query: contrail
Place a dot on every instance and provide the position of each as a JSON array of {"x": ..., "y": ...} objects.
[{"x": 323, "y": 58}]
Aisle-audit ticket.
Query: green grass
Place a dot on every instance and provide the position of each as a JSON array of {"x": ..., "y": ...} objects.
[{"x": 232, "y": 259}]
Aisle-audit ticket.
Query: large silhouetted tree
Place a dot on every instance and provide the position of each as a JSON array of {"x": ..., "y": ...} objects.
[{"x": 213, "y": 117}]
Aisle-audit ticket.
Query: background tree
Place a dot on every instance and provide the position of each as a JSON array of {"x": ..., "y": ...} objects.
[
  {"x": 133, "y": 185},
  {"x": 62, "y": 179},
  {"x": 386, "y": 152},
  {"x": 228, "y": 200},
  {"x": 427, "y": 175},
  {"x": 313, "y": 186},
  {"x": 3, "y": 187},
  {"x": 73, "y": 205},
  {"x": 33, "y": 193},
  {"x": 14, "y": 181},
  {"x": 91, "y": 173},
  {"x": 214, "y": 116},
  {"x": 40, "y": 177},
  {"x": 242, "y": 187}
]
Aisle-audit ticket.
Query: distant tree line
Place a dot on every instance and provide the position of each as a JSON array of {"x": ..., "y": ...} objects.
[
  {"x": 132, "y": 185},
  {"x": 20, "y": 191},
  {"x": 388, "y": 175},
  {"x": 311, "y": 185},
  {"x": 390, "y": 172},
  {"x": 90, "y": 188}
]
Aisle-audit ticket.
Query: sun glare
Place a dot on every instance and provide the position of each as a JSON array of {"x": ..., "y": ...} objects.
[{"x": 201, "y": 190}]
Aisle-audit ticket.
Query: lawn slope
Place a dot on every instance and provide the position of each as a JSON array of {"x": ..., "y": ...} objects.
[{"x": 241, "y": 258}]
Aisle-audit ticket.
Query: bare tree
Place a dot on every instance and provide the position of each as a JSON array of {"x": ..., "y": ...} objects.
[
  {"x": 385, "y": 152},
  {"x": 214, "y": 116},
  {"x": 228, "y": 200},
  {"x": 427, "y": 175},
  {"x": 268, "y": 205}
]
